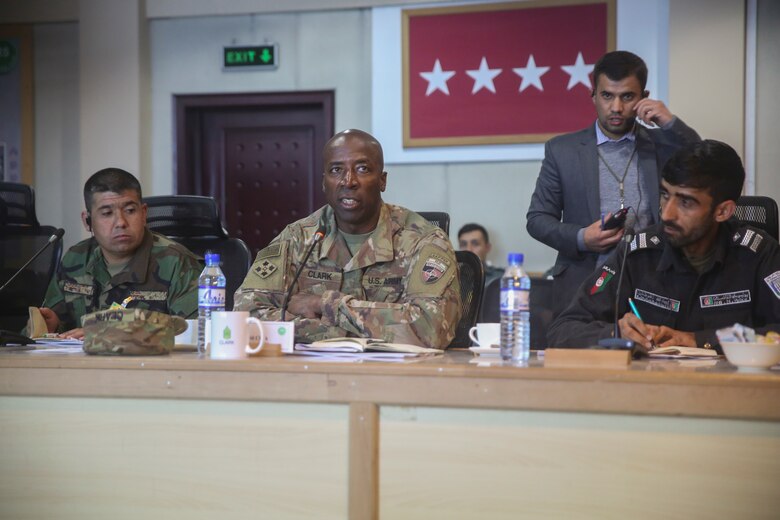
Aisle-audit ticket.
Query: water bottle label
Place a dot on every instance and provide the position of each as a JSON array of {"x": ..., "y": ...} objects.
[
  {"x": 211, "y": 297},
  {"x": 515, "y": 299}
]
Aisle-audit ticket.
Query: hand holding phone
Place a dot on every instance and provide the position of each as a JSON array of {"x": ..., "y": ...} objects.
[{"x": 617, "y": 219}]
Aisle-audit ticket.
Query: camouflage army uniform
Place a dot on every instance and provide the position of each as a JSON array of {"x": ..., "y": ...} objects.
[
  {"x": 402, "y": 285},
  {"x": 162, "y": 276}
]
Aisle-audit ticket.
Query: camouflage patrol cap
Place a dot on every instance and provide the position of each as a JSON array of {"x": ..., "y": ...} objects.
[{"x": 130, "y": 332}]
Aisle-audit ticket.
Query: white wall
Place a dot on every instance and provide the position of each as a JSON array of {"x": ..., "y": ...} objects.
[
  {"x": 318, "y": 51},
  {"x": 331, "y": 50},
  {"x": 57, "y": 182}
]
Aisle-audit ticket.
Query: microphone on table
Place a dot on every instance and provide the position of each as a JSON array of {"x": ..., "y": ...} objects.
[
  {"x": 318, "y": 235},
  {"x": 54, "y": 238},
  {"x": 9, "y": 337},
  {"x": 616, "y": 342}
]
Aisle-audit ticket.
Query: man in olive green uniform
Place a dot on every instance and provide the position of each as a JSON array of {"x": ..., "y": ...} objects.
[
  {"x": 380, "y": 271},
  {"x": 123, "y": 262}
]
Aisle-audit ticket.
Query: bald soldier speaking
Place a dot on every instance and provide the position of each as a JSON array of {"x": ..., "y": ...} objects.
[{"x": 381, "y": 271}]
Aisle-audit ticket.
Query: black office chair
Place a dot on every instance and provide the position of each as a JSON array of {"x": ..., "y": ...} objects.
[
  {"x": 541, "y": 308},
  {"x": 472, "y": 284},
  {"x": 18, "y": 205},
  {"x": 17, "y": 245},
  {"x": 437, "y": 218},
  {"x": 194, "y": 222},
  {"x": 758, "y": 211}
]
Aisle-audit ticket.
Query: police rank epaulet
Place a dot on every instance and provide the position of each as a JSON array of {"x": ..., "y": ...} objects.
[
  {"x": 747, "y": 237},
  {"x": 645, "y": 241}
]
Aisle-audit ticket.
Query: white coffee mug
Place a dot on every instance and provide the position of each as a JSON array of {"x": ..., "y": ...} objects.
[
  {"x": 230, "y": 335},
  {"x": 487, "y": 334},
  {"x": 188, "y": 338},
  {"x": 279, "y": 333}
]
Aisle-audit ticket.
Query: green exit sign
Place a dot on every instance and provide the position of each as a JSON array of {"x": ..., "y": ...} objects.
[{"x": 256, "y": 56}]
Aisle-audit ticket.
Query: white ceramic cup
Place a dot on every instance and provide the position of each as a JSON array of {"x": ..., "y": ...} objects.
[
  {"x": 281, "y": 333},
  {"x": 230, "y": 335},
  {"x": 487, "y": 334},
  {"x": 190, "y": 336}
]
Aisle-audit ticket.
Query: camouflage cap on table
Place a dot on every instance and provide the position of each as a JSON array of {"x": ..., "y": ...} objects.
[{"x": 130, "y": 332}]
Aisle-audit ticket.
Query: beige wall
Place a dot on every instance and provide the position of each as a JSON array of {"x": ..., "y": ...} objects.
[
  {"x": 767, "y": 105},
  {"x": 77, "y": 133}
]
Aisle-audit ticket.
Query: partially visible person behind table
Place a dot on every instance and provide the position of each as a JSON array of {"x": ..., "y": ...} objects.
[
  {"x": 474, "y": 237},
  {"x": 612, "y": 164},
  {"x": 696, "y": 271},
  {"x": 381, "y": 271},
  {"x": 122, "y": 263}
]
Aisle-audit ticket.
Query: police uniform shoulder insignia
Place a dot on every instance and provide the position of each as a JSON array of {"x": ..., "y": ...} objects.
[
  {"x": 748, "y": 238},
  {"x": 644, "y": 241}
]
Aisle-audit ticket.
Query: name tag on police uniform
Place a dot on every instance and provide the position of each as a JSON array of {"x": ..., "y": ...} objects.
[{"x": 719, "y": 300}]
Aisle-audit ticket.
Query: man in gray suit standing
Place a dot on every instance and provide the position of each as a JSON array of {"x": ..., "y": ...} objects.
[{"x": 589, "y": 175}]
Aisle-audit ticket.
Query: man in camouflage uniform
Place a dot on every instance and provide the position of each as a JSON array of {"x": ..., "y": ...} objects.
[
  {"x": 380, "y": 271},
  {"x": 123, "y": 262}
]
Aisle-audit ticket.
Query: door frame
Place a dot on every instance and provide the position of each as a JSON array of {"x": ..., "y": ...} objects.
[{"x": 188, "y": 111}]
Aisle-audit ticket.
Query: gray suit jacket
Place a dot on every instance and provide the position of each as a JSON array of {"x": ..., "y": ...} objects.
[{"x": 567, "y": 198}]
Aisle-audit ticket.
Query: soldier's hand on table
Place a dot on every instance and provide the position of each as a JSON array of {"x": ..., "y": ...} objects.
[
  {"x": 73, "y": 334},
  {"x": 305, "y": 305},
  {"x": 599, "y": 240},
  {"x": 51, "y": 319},
  {"x": 666, "y": 337},
  {"x": 637, "y": 331}
]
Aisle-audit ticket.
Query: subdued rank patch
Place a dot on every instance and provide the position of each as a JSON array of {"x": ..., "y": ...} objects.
[
  {"x": 718, "y": 300},
  {"x": 265, "y": 269},
  {"x": 150, "y": 296},
  {"x": 657, "y": 300},
  {"x": 433, "y": 270},
  {"x": 601, "y": 282},
  {"x": 78, "y": 288},
  {"x": 773, "y": 281}
]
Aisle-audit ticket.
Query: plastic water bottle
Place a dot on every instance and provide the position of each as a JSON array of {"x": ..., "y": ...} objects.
[
  {"x": 515, "y": 311},
  {"x": 211, "y": 296}
]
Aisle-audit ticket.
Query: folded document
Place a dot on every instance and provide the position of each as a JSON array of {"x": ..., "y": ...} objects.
[{"x": 682, "y": 352}]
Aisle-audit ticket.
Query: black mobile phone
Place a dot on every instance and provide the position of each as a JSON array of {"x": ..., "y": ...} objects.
[{"x": 616, "y": 219}]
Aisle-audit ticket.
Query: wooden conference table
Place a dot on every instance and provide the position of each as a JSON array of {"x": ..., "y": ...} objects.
[{"x": 182, "y": 437}]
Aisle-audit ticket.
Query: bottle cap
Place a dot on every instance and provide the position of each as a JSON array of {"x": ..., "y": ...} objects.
[
  {"x": 212, "y": 259},
  {"x": 515, "y": 259}
]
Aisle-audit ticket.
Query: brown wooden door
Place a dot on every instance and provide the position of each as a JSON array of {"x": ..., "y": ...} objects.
[{"x": 259, "y": 155}]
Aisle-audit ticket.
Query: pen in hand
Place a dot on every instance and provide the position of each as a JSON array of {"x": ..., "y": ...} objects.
[{"x": 636, "y": 313}]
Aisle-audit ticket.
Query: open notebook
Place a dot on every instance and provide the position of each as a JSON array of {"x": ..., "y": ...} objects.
[
  {"x": 682, "y": 352},
  {"x": 363, "y": 345}
]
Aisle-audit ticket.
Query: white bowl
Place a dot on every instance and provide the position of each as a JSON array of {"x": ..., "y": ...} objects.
[{"x": 751, "y": 356}]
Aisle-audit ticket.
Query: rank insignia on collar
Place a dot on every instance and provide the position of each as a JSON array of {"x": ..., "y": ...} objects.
[
  {"x": 265, "y": 269},
  {"x": 433, "y": 270}
]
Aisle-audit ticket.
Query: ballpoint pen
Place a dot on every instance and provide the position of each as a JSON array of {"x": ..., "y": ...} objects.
[{"x": 636, "y": 313}]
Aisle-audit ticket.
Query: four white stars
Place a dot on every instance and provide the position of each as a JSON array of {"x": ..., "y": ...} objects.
[{"x": 531, "y": 76}]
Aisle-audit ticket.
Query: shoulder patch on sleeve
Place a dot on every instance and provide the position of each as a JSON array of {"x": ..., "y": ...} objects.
[
  {"x": 267, "y": 272},
  {"x": 748, "y": 238},
  {"x": 432, "y": 272},
  {"x": 773, "y": 282}
]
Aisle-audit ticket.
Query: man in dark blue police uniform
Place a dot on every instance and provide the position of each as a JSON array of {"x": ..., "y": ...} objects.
[{"x": 697, "y": 270}]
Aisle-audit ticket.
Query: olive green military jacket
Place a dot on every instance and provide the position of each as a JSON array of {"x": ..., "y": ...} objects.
[
  {"x": 401, "y": 286},
  {"x": 161, "y": 276}
]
